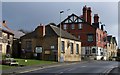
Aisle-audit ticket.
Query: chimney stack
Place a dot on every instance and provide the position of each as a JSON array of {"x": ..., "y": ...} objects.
[
  {"x": 40, "y": 30},
  {"x": 102, "y": 27},
  {"x": 89, "y": 17},
  {"x": 96, "y": 18},
  {"x": 85, "y": 13}
]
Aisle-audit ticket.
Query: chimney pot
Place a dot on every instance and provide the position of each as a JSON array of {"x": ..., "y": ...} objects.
[
  {"x": 85, "y": 13},
  {"x": 89, "y": 17}
]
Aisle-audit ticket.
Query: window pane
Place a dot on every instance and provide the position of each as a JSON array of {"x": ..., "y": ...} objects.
[
  {"x": 62, "y": 46},
  {"x": 79, "y": 26},
  {"x": 77, "y": 48},
  {"x": 72, "y": 26},
  {"x": 65, "y": 26},
  {"x": 93, "y": 50},
  {"x": 0, "y": 33},
  {"x": 28, "y": 45},
  {"x": 79, "y": 36},
  {"x": 90, "y": 38},
  {"x": 0, "y": 47},
  {"x": 71, "y": 49}
]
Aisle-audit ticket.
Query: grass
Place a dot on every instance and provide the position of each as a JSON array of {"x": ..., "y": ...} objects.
[
  {"x": 30, "y": 62},
  {"x": 5, "y": 67}
]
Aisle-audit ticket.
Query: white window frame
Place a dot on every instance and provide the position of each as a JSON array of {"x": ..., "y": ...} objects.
[
  {"x": 64, "y": 26},
  {"x": 79, "y": 26}
]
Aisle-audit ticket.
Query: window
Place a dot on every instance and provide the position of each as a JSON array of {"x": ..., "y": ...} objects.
[
  {"x": 93, "y": 50},
  {"x": 97, "y": 37},
  {"x": 52, "y": 47},
  {"x": 65, "y": 26},
  {"x": 28, "y": 45},
  {"x": 77, "y": 48},
  {"x": 71, "y": 48},
  {"x": 79, "y": 26},
  {"x": 0, "y": 47},
  {"x": 86, "y": 51},
  {"x": 79, "y": 36},
  {"x": 90, "y": 37},
  {"x": 0, "y": 33},
  {"x": 63, "y": 46},
  {"x": 72, "y": 26},
  {"x": 8, "y": 36}
]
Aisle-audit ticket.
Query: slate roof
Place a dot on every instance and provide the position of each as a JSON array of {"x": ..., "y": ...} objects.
[
  {"x": 51, "y": 30},
  {"x": 111, "y": 39},
  {"x": 29, "y": 35},
  {"x": 115, "y": 40},
  {"x": 64, "y": 34},
  {"x": 6, "y": 31}
]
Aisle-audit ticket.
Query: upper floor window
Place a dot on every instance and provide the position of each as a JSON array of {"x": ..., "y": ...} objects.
[
  {"x": 77, "y": 48},
  {"x": 72, "y": 26},
  {"x": 79, "y": 26},
  {"x": 62, "y": 46},
  {"x": 65, "y": 26},
  {"x": 97, "y": 37},
  {"x": 0, "y": 33},
  {"x": 0, "y": 47},
  {"x": 8, "y": 36},
  {"x": 79, "y": 36},
  {"x": 90, "y": 37},
  {"x": 29, "y": 45},
  {"x": 71, "y": 48}
]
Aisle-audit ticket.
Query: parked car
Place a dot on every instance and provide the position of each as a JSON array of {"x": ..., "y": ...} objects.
[{"x": 10, "y": 61}]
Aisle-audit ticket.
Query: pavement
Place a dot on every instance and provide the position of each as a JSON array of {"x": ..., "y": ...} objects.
[
  {"x": 26, "y": 69},
  {"x": 115, "y": 71}
]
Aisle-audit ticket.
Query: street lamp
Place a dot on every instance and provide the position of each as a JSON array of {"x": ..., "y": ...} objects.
[{"x": 61, "y": 58}]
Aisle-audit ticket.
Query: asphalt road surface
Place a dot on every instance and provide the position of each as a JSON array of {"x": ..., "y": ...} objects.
[{"x": 87, "y": 68}]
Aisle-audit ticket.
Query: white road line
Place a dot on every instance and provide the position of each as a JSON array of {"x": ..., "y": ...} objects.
[
  {"x": 61, "y": 72},
  {"x": 71, "y": 69}
]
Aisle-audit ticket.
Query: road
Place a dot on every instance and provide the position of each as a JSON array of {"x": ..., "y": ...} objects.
[{"x": 89, "y": 68}]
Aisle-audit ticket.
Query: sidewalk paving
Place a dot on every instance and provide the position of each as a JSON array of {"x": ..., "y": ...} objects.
[
  {"x": 32, "y": 68},
  {"x": 115, "y": 71}
]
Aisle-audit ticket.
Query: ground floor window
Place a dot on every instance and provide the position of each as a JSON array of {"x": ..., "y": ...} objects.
[
  {"x": 77, "y": 48},
  {"x": 71, "y": 48},
  {"x": 62, "y": 46},
  {"x": 93, "y": 50}
]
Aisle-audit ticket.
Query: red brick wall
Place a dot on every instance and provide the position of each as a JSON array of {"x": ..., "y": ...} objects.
[
  {"x": 100, "y": 41},
  {"x": 86, "y": 29}
]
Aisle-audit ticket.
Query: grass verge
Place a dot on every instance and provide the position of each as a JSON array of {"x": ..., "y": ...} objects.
[{"x": 29, "y": 62}]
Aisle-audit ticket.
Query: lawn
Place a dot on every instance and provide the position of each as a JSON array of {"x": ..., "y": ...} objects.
[
  {"x": 33, "y": 62},
  {"x": 29, "y": 62}
]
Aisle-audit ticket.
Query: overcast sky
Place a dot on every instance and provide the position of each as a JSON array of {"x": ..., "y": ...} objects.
[{"x": 27, "y": 15}]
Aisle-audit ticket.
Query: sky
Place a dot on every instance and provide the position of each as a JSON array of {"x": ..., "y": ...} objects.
[{"x": 28, "y": 15}]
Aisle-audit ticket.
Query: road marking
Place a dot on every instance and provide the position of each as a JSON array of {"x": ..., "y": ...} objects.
[
  {"x": 61, "y": 72},
  {"x": 71, "y": 69}
]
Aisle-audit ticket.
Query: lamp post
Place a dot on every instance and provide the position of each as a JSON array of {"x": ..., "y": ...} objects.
[{"x": 61, "y": 58}]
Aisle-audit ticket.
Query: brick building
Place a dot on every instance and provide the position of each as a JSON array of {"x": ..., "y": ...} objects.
[
  {"x": 92, "y": 35},
  {"x": 44, "y": 43}
]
